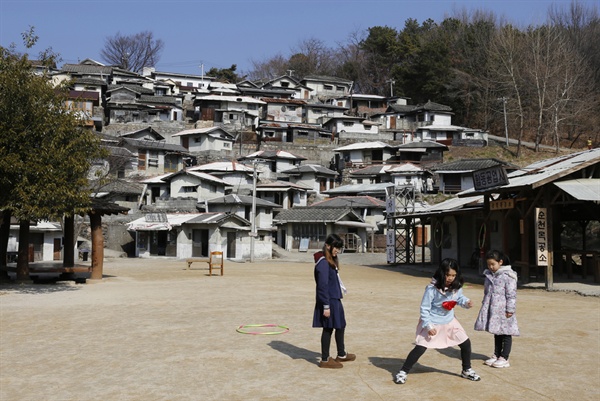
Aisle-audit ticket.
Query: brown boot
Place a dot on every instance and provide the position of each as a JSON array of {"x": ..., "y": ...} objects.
[
  {"x": 331, "y": 364},
  {"x": 347, "y": 358}
]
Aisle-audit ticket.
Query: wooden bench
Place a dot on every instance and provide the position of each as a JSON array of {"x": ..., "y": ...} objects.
[
  {"x": 189, "y": 261},
  {"x": 214, "y": 262}
]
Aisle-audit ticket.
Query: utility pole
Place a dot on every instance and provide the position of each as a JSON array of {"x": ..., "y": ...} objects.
[
  {"x": 391, "y": 82},
  {"x": 253, "y": 214},
  {"x": 503, "y": 99}
]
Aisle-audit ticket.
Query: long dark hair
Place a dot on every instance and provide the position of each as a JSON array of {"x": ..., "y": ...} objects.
[
  {"x": 442, "y": 271},
  {"x": 498, "y": 256},
  {"x": 334, "y": 241}
]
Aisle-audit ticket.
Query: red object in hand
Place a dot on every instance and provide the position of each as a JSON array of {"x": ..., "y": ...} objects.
[{"x": 449, "y": 305}]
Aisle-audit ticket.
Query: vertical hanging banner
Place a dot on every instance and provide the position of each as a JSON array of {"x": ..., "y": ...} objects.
[
  {"x": 390, "y": 242},
  {"x": 541, "y": 236}
]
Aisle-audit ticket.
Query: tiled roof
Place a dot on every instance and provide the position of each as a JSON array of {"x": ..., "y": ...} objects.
[
  {"x": 310, "y": 168},
  {"x": 352, "y": 202},
  {"x": 87, "y": 69},
  {"x": 314, "y": 214},
  {"x": 234, "y": 199},
  {"x": 470, "y": 165},
  {"x": 158, "y": 99}
]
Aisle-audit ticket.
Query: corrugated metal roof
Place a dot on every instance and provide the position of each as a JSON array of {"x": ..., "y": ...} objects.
[
  {"x": 587, "y": 189},
  {"x": 542, "y": 172}
]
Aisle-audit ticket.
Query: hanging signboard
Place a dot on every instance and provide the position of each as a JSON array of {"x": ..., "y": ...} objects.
[
  {"x": 489, "y": 178},
  {"x": 541, "y": 236},
  {"x": 502, "y": 204}
]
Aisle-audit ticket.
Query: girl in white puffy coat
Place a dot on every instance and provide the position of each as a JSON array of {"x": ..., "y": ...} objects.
[{"x": 497, "y": 313}]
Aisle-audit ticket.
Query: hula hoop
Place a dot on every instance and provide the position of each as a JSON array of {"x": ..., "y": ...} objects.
[
  {"x": 482, "y": 234},
  {"x": 242, "y": 329},
  {"x": 438, "y": 229}
]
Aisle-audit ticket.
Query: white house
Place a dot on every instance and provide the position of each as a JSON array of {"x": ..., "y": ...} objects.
[
  {"x": 348, "y": 127},
  {"x": 196, "y": 184},
  {"x": 365, "y": 153},
  {"x": 205, "y": 139},
  {"x": 45, "y": 242},
  {"x": 313, "y": 176},
  {"x": 236, "y": 174},
  {"x": 188, "y": 235}
]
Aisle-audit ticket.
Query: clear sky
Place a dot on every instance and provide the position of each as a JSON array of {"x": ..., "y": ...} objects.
[{"x": 219, "y": 33}]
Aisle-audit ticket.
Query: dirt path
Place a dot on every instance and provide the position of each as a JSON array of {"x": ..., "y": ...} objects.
[{"x": 152, "y": 330}]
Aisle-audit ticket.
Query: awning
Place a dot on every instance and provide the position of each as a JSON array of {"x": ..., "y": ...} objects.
[
  {"x": 355, "y": 224},
  {"x": 585, "y": 189},
  {"x": 147, "y": 226}
]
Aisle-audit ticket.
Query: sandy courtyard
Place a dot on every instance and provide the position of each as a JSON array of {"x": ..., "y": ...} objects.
[{"x": 152, "y": 330}]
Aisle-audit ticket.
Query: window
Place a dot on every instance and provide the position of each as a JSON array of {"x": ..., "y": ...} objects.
[
  {"x": 340, "y": 88},
  {"x": 227, "y": 145},
  {"x": 233, "y": 116},
  {"x": 171, "y": 164},
  {"x": 190, "y": 84},
  {"x": 189, "y": 189},
  {"x": 367, "y": 127},
  {"x": 160, "y": 92},
  {"x": 252, "y": 106},
  {"x": 152, "y": 158},
  {"x": 291, "y": 108},
  {"x": 348, "y": 123},
  {"x": 328, "y": 87},
  {"x": 302, "y": 133},
  {"x": 285, "y": 84}
]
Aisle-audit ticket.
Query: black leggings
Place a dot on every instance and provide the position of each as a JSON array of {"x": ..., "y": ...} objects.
[
  {"x": 326, "y": 342},
  {"x": 502, "y": 345},
  {"x": 419, "y": 350}
]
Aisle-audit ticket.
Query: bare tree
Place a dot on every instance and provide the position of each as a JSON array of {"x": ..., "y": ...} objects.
[
  {"x": 133, "y": 52},
  {"x": 506, "y": 52}
]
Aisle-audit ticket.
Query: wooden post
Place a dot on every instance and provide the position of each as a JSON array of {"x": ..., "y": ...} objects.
[
  {"x": 23, "y": 257},
  {"x": 550, "y": 244},
  {"x": 97, "y": 245},
  {"x": 69, "y": 242}
]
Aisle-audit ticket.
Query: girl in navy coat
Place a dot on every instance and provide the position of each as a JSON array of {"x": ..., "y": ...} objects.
[{"x": 329, "y": 311}]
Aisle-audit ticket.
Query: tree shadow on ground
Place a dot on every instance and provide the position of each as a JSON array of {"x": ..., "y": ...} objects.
[{"x": 295, "y": 352}]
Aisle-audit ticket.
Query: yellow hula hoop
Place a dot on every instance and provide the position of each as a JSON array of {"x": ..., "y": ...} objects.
[{"x": 242, "y": 329}]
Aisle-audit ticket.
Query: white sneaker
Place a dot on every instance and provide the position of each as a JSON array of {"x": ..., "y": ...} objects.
[
  {"x": 470, "y": 374},
  {"x": 501, "y": 363},
  {"x": 400, "y": 377},
  {"x": 491, "y": 361}
]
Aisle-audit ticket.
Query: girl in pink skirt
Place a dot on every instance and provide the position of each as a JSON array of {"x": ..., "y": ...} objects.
[{"x": 438, "y": 328}]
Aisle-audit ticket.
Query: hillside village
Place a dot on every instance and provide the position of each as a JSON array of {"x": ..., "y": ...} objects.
[{"x": 242, "y": 168}]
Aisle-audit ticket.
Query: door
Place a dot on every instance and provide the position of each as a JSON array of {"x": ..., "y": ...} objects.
[
  {"x": 199, "y": 243},
  {"x": 57, "y": 248},
  {"x": 231, "y": 240}
]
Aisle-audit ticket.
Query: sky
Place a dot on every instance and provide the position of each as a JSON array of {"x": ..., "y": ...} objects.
[{"x": 202, "y": 34}]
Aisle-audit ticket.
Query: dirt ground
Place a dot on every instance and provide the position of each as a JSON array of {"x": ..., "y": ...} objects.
[{"x": 152, "y": 330}]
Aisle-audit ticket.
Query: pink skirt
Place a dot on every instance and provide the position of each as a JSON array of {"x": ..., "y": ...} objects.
[{"x": 448, "y": 335}]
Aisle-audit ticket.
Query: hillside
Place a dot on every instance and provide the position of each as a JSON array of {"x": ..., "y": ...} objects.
[{"x": 528, "y": 155}]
